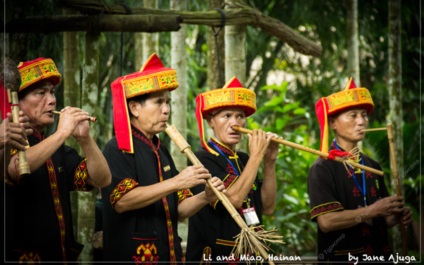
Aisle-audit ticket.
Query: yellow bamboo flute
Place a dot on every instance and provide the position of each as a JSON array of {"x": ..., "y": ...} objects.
[
  {"x": 397, "y": 183},
  {"x": 12, "y": 82},
  {"x": 90, "y": 118},
  {"x": 313, "y": 151},
  {"x": 374, "y": 129},
  {"x": 186, "y": 149}
]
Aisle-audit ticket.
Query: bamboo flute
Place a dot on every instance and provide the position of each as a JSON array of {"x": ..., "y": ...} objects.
[
  {"x": 374, "y": 129},
  {"x": 395, "y": 174},
  {"x": 313, "y": 151},
  {"x": 186, "y": 149},
  {"x": 90, "y": 118},
  {"x": 12, "y": 82}
]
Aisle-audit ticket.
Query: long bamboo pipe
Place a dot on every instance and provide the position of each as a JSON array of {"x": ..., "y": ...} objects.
[
  {"x": 395, "y": 174},
  {"x": 185, "y": 148},
  {"x": 12, "y": 82},
  {"x": 313, "y": 151},
  {"x": 374, "y": 129}
]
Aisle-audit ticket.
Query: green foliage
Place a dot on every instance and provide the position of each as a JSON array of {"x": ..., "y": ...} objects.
[{"x": 286, "y": 118}]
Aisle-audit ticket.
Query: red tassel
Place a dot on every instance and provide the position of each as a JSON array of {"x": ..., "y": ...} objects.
[
  {"x": 4, "y": 100},
  {"x": 338, "y": 153}
]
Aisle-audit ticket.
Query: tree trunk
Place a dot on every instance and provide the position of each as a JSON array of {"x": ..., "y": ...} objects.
[
  {"x": 352, "y": 44},
  {"x": 179, "y": 99},
  {"x": 352, "y": 41},
  {"x": 394, "y": 85},
  {"x": 235, "y": 59},
  {"x": 150, "y": 40},
  {"x": 138, "y": 51},
  {"x": 71, "y": 75},
  {"x": 72, "y": 97},
  {"x": 216, "y": 52},
  {"x": 235, "y": 53},
  {"x": 87, "y": 200}
]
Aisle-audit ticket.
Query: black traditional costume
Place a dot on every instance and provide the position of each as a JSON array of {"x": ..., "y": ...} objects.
[
  {"x": 335, "y": 189},
  {"x": 38, "y": 210},
  {"x": 333, "y": 186},
  {"x": 150, "y": 233},
  {"x": 212, "y": 229},
  {"x": 146, "y": 235}
]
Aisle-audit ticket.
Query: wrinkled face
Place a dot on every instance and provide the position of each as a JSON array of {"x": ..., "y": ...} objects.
[
  {"x": 151, "y": 115},
  {"x": 221, "y": 123},
  {"x": 38, "y": 104},
  {"x": 348, "y": 125}
]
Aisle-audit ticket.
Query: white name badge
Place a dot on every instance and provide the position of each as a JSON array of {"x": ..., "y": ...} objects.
[{"x": 250, "y": 216}]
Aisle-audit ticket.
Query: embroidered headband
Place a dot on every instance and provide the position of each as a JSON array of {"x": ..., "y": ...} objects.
[{"x": 37, "y": 70}]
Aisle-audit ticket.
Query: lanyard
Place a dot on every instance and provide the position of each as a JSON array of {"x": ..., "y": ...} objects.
[
  {"x": 229, "y": 161},
  {"x": 363, "y": 190}
]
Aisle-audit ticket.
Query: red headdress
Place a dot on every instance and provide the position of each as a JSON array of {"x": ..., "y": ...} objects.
[
  {"x": 233, "y": 94},
  {"x": 350, "y": 97},
  {"x": 152, "y": 77}
]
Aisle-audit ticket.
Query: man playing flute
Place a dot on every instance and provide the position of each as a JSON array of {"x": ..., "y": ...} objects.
[
  {"x": 148, "y": 195},
  {"x": 212, "y": 229},
  {"x": 351, "y": 207},
  {"x": 38, "y": 210}
]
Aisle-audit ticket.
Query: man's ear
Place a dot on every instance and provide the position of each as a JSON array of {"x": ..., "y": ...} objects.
[
  {"x": 132, "y": 106},
  {"x": 332, "y": 123},
  {"x": 208, "y": 119}
]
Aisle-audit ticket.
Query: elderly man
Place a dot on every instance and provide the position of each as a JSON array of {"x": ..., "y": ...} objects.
[{"x": 38, "y": 212}]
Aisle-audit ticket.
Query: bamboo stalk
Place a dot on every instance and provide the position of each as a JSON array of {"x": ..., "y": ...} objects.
[
  {"x": 395, "y": 174},
  {"x": 313, "y": 151},
  {"x": 12, "y": 81},
  {"x": 23, "y": 165},
  {"x": 186, "y": 149},
  {"x": 374, "y": 129},
  {"x": 90, "y": 118}
]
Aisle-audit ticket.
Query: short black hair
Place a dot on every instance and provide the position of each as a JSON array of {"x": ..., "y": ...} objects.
[{"x": 140, "y": 99}]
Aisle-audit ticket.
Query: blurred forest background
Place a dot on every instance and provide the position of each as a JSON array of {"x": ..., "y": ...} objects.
[{"x": 287, "y": 84}]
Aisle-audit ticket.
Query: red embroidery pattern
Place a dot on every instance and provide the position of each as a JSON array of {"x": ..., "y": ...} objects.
[
  {"x": 355, "y": 192},
  {"x": 146, "y": 254},
  {"x": 80, "y": 177},
  {"x": 29, "y": 258},
  {"x": 229, "y": 179},
  {"x": 57, "y": 205},
  {"x": 184, "y": 194},
  {"x": 325, "y": 208},
  {"x": 373, "y": 192},
  {"x": 369, "y": 175},
  {"x": 121, "y": 189},
  {"x": 56, "y": 197}
]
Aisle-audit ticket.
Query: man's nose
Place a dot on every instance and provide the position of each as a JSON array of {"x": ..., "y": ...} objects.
[
  {"x": 166, "y": 109},
  {"x": 51, "y": 98},
  {"x": 361, "y": 119}
]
